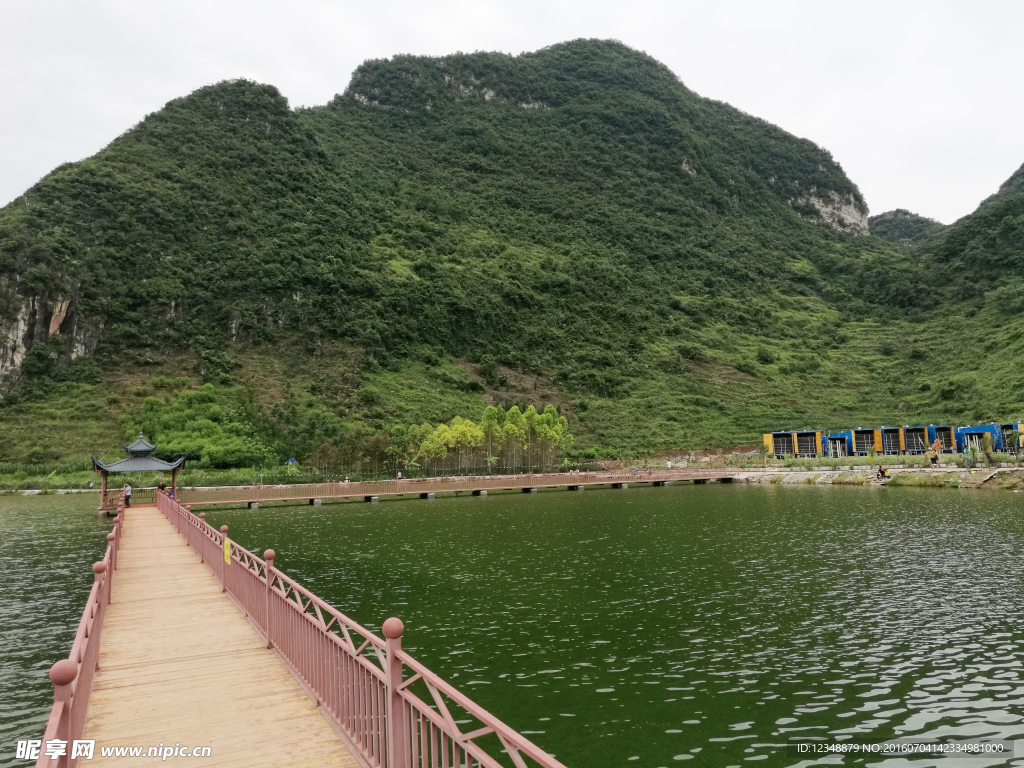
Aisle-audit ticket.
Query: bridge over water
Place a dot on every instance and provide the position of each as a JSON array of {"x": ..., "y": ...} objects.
[
  {"x": 190, "y": 641},
  {"x": 424, "y": 488}
]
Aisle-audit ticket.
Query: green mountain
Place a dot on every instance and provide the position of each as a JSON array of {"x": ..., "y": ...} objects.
[
  {"x": 904, "y": 229},
  {"x": 572, "y": 226},
  {"x": 985, "y": 251}
]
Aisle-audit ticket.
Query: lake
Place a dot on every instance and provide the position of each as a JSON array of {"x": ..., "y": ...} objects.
[
  {"x": 47, "y": 547},
  {"x": 641, "y": 627}
]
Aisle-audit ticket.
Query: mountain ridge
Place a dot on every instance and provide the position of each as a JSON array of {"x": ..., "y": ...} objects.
[{"x": 680, "y": 272}]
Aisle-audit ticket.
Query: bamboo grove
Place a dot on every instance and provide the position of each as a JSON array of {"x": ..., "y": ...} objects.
[{"x": 503, "y": 441}]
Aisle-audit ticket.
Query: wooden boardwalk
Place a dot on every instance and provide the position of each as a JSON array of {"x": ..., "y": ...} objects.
[{"x": 179, "y": 663}]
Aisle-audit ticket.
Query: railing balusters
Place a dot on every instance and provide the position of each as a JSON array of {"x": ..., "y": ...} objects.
[
  {"x": 362, "y": 693},
  {"x": 73, "y": 677}
]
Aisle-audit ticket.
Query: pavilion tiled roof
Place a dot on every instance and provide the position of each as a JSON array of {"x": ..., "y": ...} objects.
[
  {"x": 139, "y": 460},
  {"x": 139, "y": 464},
  {"x": 140, "y": 446}
]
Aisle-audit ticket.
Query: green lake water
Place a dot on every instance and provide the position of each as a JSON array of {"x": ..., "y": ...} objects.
[
  {"x": 645, "y": 627},
  {"x": 47, "y": 547}
]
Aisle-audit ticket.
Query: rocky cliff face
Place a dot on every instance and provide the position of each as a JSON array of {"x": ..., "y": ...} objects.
[
  {"x": 34, "y": 320},
  {"x": 842, "y": 212}
]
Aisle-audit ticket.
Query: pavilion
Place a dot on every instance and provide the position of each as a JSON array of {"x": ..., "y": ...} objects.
[{"x": 139, "y": 460}]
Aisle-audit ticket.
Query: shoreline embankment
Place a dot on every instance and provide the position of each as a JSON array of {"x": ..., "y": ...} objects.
[
  {"x": 994, "y": 478},
  {"x": 941, "y": 476}
]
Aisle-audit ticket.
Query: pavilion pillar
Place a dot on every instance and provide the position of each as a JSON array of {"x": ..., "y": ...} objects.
[{"x": 103, "y": 488}]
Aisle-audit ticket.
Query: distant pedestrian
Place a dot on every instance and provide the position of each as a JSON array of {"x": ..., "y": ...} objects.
[
  {"x": 127, "y": 495},
  {"x": 399, "y": 474}
]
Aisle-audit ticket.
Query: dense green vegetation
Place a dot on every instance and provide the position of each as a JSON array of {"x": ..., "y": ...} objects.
[
  {"x": 904, "y": 229},
  {"x": 225, "y": 428},
  {"x": 572, "y": 226},
  {"x": 985, "y": 251}
]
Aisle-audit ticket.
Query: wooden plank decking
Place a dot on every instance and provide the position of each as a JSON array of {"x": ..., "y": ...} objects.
[{"x": 180, "y": 663}]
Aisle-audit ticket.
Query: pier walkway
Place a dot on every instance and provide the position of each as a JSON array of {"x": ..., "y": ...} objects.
[
  {"x": 190, "y": 642},
  {"x": 181, "y": 664},
  {"x": 478, "y": 485}
]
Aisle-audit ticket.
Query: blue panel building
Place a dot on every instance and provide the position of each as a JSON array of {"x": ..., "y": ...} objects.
[
  {"x": 945, "y": 435},
  {"x": 839, "y": 444},
  {"x": 974, "y": 436}
]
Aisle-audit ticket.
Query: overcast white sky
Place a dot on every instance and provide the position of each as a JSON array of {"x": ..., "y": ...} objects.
[{"x": 921, "y": 102}]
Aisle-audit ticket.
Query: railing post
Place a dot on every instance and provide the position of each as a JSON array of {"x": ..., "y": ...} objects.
[
  {"x": 62, "y": 675},
  {"x": 119, "y": 527},
  {"x": 268, "y": 555},
  {"x": 102, "y": 596},
  {"x": 202, "y": 524},
  {"x": 112, "y": 543},
  {"x": 393, "y": 629},
  {"x": 225, "y": 561},
  {"x": 188, "y": 522}
]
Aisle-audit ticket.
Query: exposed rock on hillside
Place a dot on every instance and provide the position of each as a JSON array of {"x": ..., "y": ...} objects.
[
  {"x": 36, "y": 319},
  {"x": 845, "y": 213}
]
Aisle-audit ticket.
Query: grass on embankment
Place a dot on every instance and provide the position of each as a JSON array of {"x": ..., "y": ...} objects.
[
  {"x": 929, "y": 480},
  {"x": 1010, "y": 481}
]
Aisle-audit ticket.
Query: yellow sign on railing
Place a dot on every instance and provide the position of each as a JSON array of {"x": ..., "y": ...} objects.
[{"x": 227, "y": 550}]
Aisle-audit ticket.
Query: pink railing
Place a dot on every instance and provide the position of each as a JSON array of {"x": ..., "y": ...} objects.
[
  {"x": 261, "y": 493},
  {"x": 73, "y": 677},
  {"x": 113, "y": 496},
  {"x": 358, "y": 680}
]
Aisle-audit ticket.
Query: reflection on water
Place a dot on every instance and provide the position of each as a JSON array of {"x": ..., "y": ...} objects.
[
  {"x": 47, "y": 547},
  {"x": 706, "y": 624}
]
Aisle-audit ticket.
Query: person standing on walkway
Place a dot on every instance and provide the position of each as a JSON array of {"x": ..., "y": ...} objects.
[{"x": 127, "y": 495}]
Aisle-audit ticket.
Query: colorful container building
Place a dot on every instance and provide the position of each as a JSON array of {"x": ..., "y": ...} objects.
[
  {"x": 891, "y": 441},
  {"x": 915, "y": 440},
  {"x": 800, "y": 444},
  {"x": 1012, "y": 437},
  {"x": 866, "y": 439},
  {"x": 887, "y": 441},
  {"x": 974, "y": 437},
  {"x": 840, "y": 444},
  {"x": 944, "y": 435}
]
